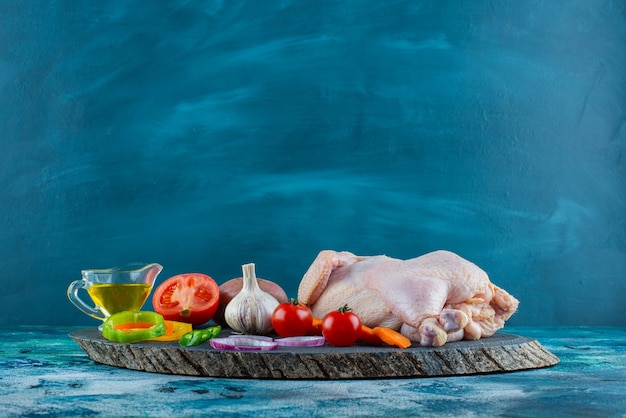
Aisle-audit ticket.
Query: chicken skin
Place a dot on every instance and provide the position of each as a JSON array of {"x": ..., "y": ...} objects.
[{"x": 436, "y": 298}]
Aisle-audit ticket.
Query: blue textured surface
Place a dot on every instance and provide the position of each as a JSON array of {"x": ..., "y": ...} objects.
[
  {"x": 43, "y": 372},
  {"x": 205, "y": 135}
]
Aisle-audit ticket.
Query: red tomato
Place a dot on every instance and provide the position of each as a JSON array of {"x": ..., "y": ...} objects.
[
  {"x": 341, "y": 327},
  {"x": 190, "y": 297},
  {"x": 291, "y": 319}
]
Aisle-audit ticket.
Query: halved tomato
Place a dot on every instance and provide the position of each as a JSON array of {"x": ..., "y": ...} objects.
[{"x": 189, "y": 297}]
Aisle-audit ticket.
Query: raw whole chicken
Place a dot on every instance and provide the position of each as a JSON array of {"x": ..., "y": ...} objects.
[{"x": 433, "y": 299}]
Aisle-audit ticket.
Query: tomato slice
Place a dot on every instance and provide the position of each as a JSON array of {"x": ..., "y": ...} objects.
[{"x": 189, "y": 297}]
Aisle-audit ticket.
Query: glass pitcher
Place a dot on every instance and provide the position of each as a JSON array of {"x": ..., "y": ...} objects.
[{"x": 115, "y": 289}]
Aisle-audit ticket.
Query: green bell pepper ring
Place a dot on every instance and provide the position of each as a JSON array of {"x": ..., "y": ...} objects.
[
  {"x": 199, "y": 336},
  {"x": 132, "y": 327}
]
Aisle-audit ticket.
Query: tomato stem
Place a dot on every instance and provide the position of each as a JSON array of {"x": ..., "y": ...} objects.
[{"x": 344, "y": 309}]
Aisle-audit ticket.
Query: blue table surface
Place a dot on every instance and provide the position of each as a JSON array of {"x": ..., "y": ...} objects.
[{"x": 44, "y": 372}]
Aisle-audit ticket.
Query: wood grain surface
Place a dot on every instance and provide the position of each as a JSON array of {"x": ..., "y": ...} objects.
[{"x": 499, "y": 353}]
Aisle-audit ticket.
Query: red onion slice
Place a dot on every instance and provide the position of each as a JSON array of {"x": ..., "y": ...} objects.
[
  {"x": 242, "y": 344},
  {"x": 253, "y": 337},
  {"x": 305, "y": 341}
]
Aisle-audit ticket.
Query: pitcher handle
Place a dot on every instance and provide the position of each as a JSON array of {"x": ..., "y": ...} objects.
[{"x": 72, "y": 294}]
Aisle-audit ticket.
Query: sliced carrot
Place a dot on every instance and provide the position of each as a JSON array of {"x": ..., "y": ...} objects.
[
  {"x": 391, "y": 337},
  {"x": 316, "y": 327},
  {"x": 367, "y": 334}
]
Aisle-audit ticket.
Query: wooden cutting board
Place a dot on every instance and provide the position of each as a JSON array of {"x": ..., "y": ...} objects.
[{"x": 498, "y": 353}]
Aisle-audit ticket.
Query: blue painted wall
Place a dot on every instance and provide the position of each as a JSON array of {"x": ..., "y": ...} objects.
[{"x": 207, "y": 134}]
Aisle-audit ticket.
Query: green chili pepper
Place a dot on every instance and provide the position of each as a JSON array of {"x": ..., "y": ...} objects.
[
  {"x": 199, "y": 336},
  {"x": 132, "y": 327}
]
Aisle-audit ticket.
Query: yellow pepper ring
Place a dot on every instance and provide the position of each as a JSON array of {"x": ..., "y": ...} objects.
[
  {"x": 174, "y": 331},
  {"x": 132, "y": 327}
]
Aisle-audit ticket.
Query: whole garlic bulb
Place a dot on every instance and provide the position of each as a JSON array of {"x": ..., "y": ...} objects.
[{"x": 250, "y": 311}]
